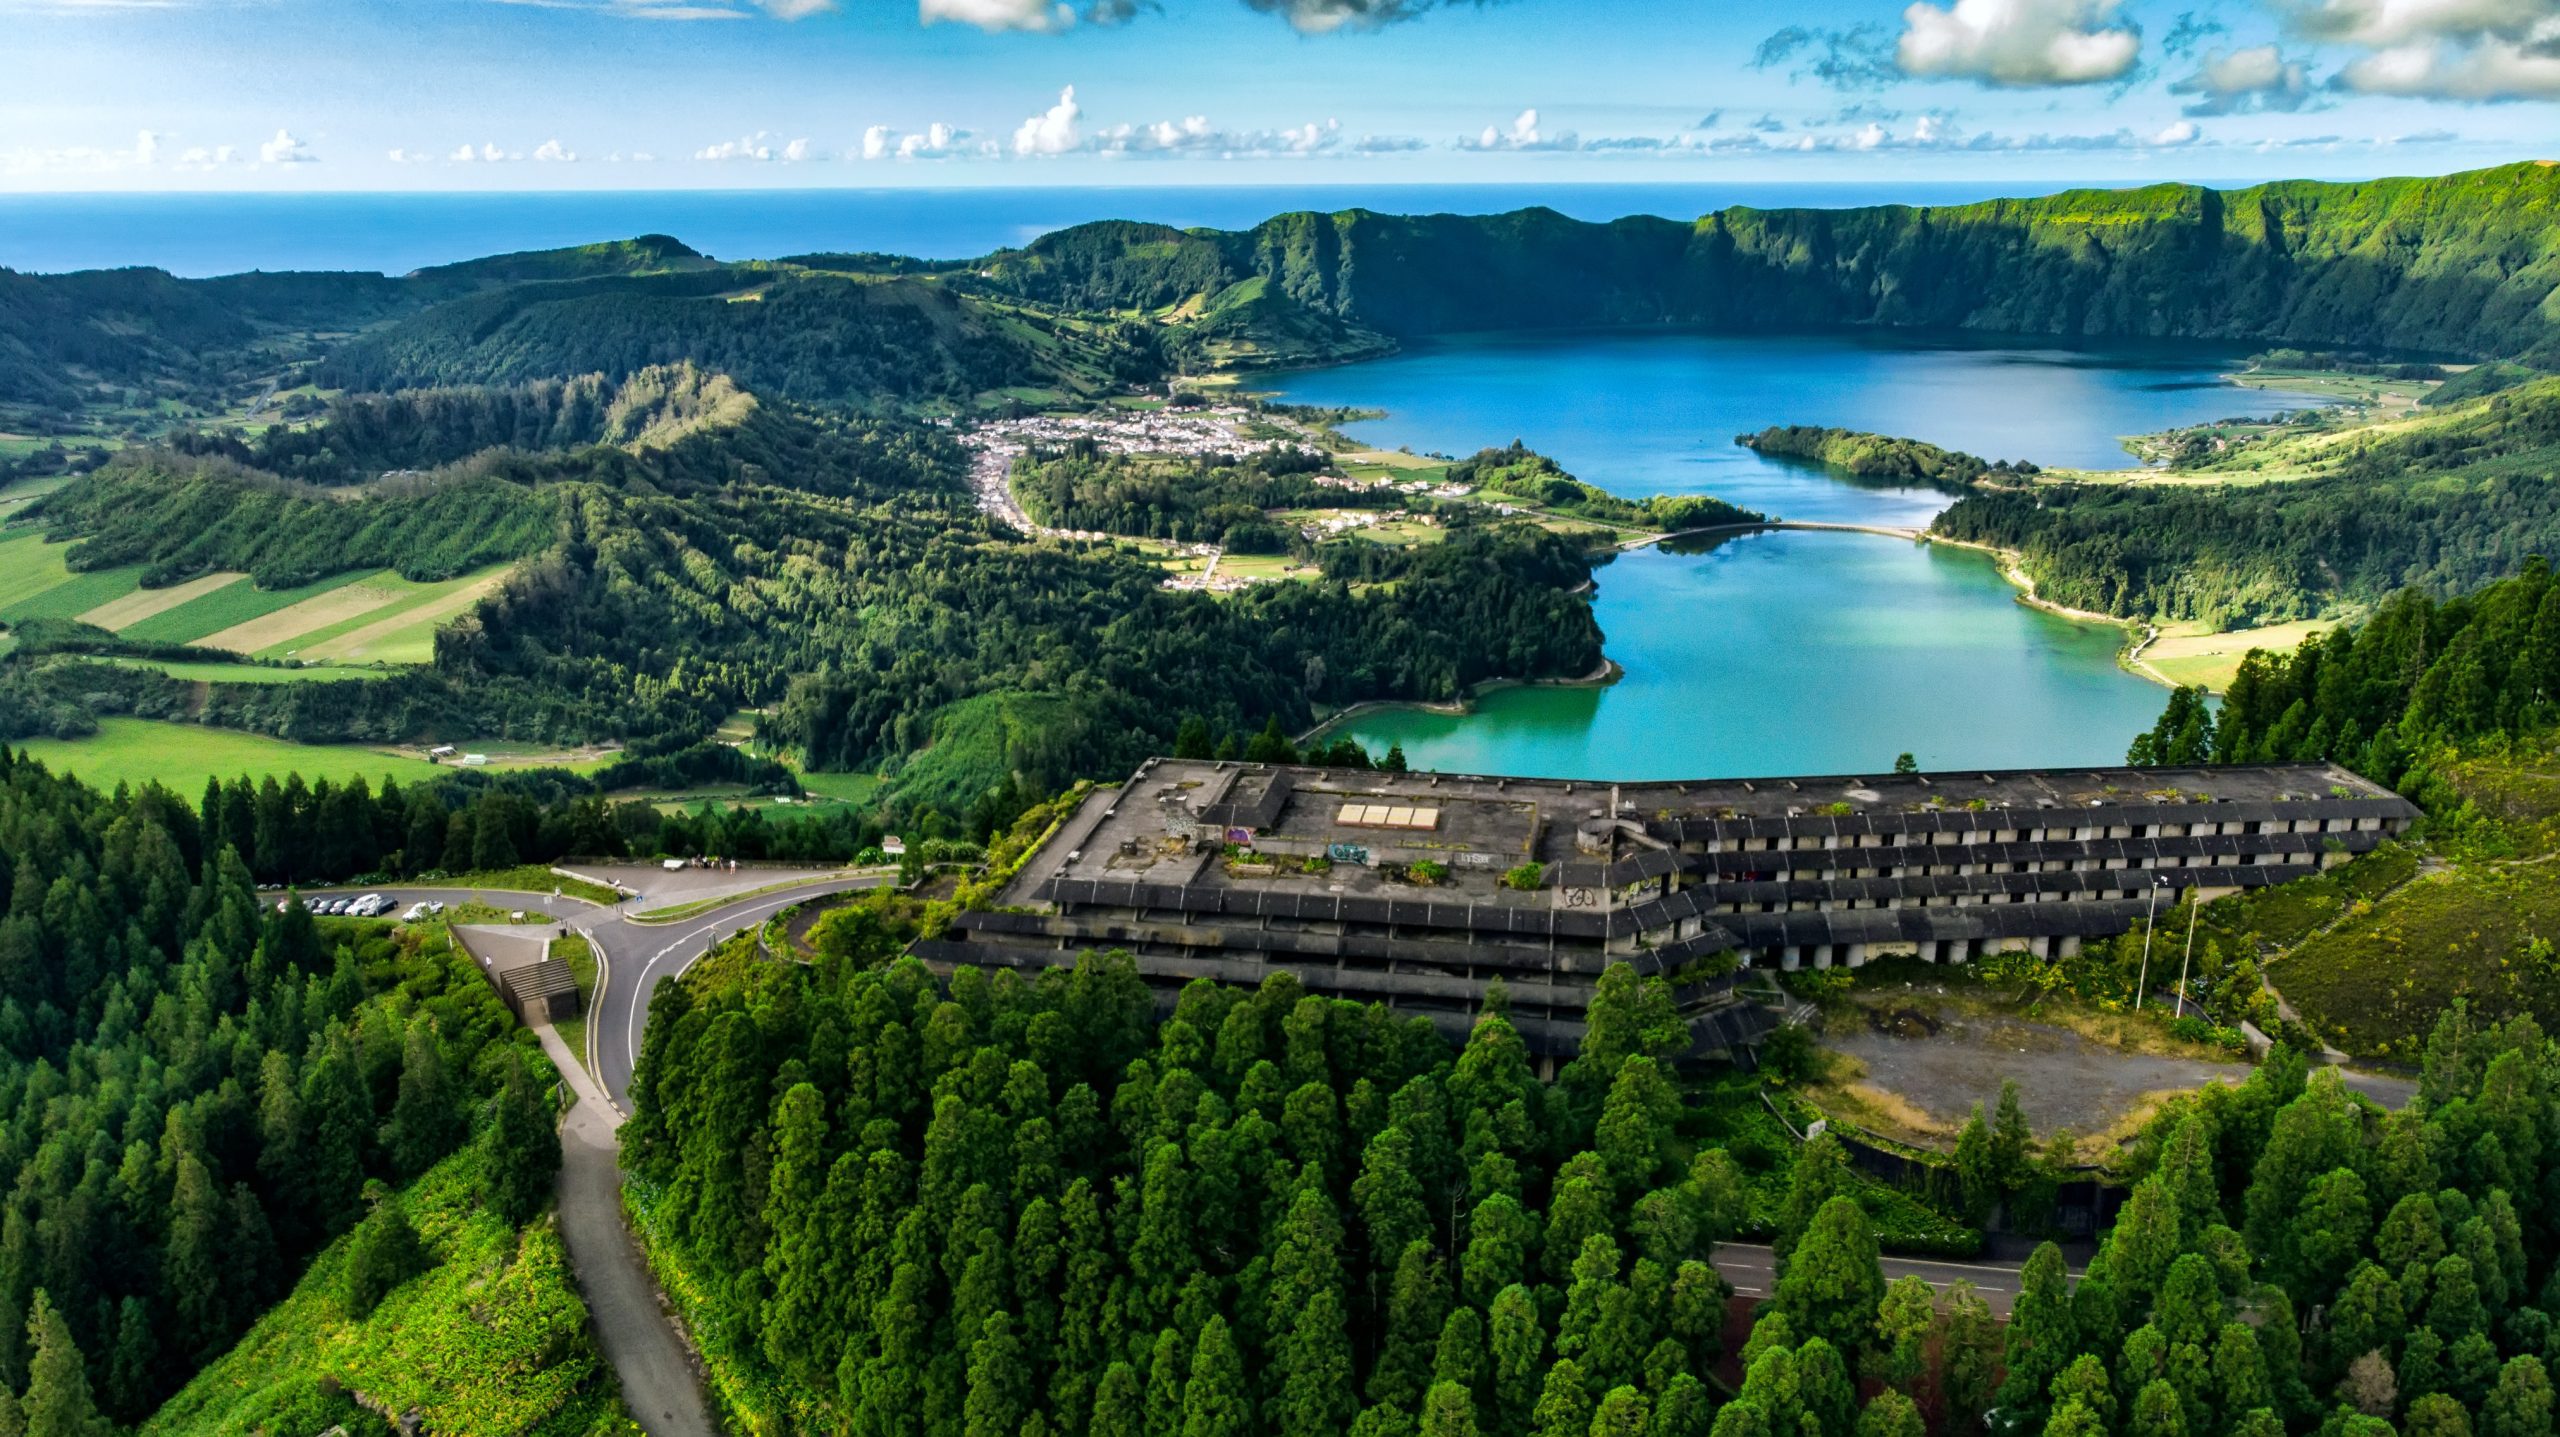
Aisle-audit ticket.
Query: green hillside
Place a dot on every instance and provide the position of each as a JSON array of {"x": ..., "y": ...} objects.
[
  {"x": 2464, "y": 264},
  {"x": 2446, "y": 502}
]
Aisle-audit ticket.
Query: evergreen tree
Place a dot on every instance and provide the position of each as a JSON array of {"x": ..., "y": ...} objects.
[
  {"x": 1000, "y": 1382},
  {"x": 520, "y": 1146},
  {"x": 1623, "y": 1412},
  {"x": 1821, "y": 1172},
  {"x": 2520, "y": 1404},
  {"x": 1905, "y": 1317},
  {"x": 1969, "y": 1348},
  {"x": 1564, "y": 1403},
  {"x": 1832, "y": 1284},
  {"x": 57, "y": 1402},
  {"x": 2157, "y": 1412},
  {"x": 1449, "y": 1410},
  {"x": 1518, "y": 1343},
  {"x": 1891, "y": 1414},
  {"x": 1119, "y": 1403},
  {"x": 1316, "y": 1396},
  {"x": 426, "y": 1121},
  {"x": 1214, "y": 1403},
  {"x": 383, "y": 1252}
]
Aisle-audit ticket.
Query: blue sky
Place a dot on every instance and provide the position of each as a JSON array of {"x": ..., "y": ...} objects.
[{"x": 641, "y": 94}]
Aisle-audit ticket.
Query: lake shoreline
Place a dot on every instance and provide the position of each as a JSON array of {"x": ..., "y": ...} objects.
[{"x": 1608, "y": 673}]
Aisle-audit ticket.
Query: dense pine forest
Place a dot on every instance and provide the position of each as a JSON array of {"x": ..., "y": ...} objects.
[
  {"x": 2376, "y": 696},
  {"x": 991, "y": 1205},
  {"x": 199, "y": 1091}
]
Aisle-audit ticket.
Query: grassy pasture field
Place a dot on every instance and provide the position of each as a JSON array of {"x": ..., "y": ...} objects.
[
  {"x": 2184, "y": 655},
  {"x": 15, "y": 497},
  {"x": 35, "y": 583},
  {"x": 215, "y": 673},
  {"x": 180, "y": 757}
]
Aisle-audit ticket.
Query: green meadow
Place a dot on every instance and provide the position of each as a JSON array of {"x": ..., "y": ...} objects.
[{"x": 180, "y": 757}]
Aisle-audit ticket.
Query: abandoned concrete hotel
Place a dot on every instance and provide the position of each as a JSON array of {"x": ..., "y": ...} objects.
[{"x": 1422, "y": 889}]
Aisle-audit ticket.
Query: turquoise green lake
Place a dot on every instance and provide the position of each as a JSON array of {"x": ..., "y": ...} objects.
[{"x": 1791, "y": 652}]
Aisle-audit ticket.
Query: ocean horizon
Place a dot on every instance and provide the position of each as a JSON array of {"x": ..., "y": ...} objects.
[{"x": 202, "y": 234}]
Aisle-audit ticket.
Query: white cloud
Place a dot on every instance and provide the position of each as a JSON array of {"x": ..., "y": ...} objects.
[
  {"x": 2474, "y": 50},
  {"x": 2017, "y": 43},
  {"x": 488, "y": 154},
  {"x": 2256, "y": 77},
  {"x": 2484, "y": 70},
  {"x": 759, "y": 146},
  {"x": 1037, "y": 16},
  {"x": 1938, "y": 133},
  {"x": 1194, "y": 135},
  {"x": 92, "y": 159},
  {"x": 936, "y": 141},
  {"x": 201, "y": 158},
  {"x": 1523, "y": 133},
  {"x": 555, "y": 153},
  {"x": 285, "y": 149},
  {"x": 2381, "y": 24},
  {"x": 1053, "y": 131}
]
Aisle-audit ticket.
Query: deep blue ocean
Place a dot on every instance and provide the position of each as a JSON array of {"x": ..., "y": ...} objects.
[{"x": 208, "y": 234}]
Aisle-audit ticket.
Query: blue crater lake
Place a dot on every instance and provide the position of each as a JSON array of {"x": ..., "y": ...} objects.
[{"x": 1791, "y": 651}]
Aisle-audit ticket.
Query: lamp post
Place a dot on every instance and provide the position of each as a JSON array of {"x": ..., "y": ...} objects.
[
  {"x": 2195, "y": 910},
  {"x": 2148, "y": 913}
]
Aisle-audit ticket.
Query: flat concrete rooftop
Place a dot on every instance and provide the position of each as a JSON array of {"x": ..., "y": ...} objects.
[{"x": 1273, "y": 827}]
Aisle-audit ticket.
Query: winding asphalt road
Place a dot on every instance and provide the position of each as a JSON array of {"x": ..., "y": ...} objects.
[
  {"x": 650, "y": 1359},
  {"x": 633, "y": 958}
]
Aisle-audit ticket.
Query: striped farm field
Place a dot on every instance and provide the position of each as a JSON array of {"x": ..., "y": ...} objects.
[
  {"x": 227, "y": 607},
  {"x": 406, "y": 634},
  {"x": 122, "y": 614},
  {"x": 280, "y": 629},
  {"x": 372, "y": 617}
]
